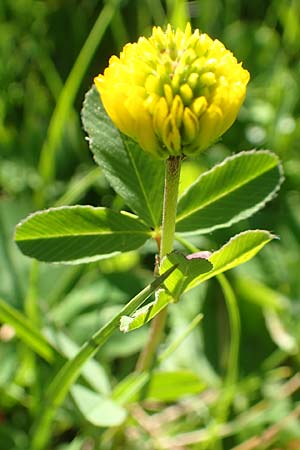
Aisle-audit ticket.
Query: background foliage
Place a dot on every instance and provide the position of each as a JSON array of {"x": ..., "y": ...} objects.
[{"x": 48, "y": 59}]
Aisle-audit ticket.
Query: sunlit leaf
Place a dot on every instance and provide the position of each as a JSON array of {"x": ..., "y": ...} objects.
[
  {"x": 229, "y": 192},
  {"x": 168, "y": 386},
  {"x": 159, "y": 385},
  {"x": 238, "y": 250}
]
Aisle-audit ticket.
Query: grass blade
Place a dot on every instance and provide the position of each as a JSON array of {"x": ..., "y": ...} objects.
[
  {"x": 69, "y": 91},
  {"x": 28, "y": 333}
]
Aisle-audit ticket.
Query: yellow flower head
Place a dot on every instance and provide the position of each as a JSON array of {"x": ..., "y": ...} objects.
[{"x": 174, "y": 93}]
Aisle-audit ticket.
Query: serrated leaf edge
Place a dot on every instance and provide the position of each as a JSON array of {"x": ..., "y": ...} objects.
[{"x": 244, "y": 214}]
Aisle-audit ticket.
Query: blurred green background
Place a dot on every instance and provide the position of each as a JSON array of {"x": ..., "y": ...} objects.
[{"x": 50, "y": 51}]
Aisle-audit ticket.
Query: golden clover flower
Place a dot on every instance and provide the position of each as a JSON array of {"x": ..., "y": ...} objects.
[{"x": 174, "y": 93}]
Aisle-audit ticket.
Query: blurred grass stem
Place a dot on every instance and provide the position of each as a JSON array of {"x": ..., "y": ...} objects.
[
  {"x": 67, "y": 97},
  {"x": 233, "y": 356}
]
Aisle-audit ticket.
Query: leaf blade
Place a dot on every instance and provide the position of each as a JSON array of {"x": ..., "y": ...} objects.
[
  {"x": 97, "y": 409},
  {"x": 133, "y": 174},
  {"x": 231, "y": 191},
  {"x": 172, "y": 385},
  {"x": 78, "y": 234},
  {"x": 238, "y": 250},
  {"x": 160, "y": 385}
]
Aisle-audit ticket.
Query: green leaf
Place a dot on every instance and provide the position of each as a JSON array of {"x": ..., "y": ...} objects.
[
  {"x": 27, "y": 332},
  {"x": 169, "y": 386},
  {"x": 78, "y": 234},
  {"x": 97, "y": 409},
  {"x": 158, "y": 385},
  {"x": 238, "y": 250},
  {"x": 229, "y": 192},
  {"x": 134, "y": 175},
  {"x": 186, "y": 271},
  {"x": 146, "y": 313}
]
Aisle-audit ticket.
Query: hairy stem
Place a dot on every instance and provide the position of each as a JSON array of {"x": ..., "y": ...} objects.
[
  {"x": 172, "y": 176},
  {"x": 170, "y": 205}
]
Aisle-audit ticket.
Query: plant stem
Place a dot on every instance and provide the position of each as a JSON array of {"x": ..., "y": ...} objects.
[
  {"x": 172, "y": 176},
  {"x": 170, "y": 204},
  {"x": 70, "y": 371}
]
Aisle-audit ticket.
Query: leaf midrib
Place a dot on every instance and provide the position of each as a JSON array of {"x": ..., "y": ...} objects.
[{"x": 91, "y": 234}]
